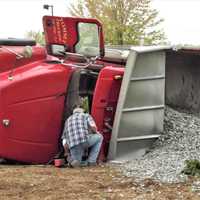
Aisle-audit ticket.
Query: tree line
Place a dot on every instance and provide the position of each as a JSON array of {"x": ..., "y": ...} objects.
[{"x": 125, "y": 22}]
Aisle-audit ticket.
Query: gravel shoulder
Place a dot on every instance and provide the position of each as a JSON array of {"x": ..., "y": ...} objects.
[
  {"x": 179, "y": 142},
  {"x": 90, "y": 183}
]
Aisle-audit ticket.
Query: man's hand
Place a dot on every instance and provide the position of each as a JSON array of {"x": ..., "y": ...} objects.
[
  {"x": 66, "y": 150},
  {"x": 93, "y": 129},
  {"x": 65, "y": 146}
]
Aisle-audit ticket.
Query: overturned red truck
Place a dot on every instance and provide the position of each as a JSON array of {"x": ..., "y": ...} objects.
[{"x": 125, "y": 89}]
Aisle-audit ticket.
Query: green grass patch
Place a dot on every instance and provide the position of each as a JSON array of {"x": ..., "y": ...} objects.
[{"x": 192, "y": 167}]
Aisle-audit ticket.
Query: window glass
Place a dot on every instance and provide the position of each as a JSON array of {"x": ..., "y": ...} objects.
[
  {"x": 88, "y": 43},
  {"x": 57, "y": 49}
]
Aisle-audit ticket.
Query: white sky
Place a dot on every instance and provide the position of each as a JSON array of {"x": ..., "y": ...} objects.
[{"x": 181, "y": 17}]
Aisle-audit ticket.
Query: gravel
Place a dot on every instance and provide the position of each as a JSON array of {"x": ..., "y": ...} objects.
[{"x": 180, "y": 141}]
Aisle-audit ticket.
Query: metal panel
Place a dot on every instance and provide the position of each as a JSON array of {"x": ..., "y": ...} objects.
[
  {"x": 149, "y": 64},
  {"x": 144, "y": 93},
  {"x": 140, "y": 110},
  {"x": 140, "y": 123},
  {"x": 124, "y": 151}
]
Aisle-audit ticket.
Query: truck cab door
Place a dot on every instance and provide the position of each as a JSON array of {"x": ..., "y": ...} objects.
[
  {"x": 73, "y": 35},
  {"x": 105, "y": 102}
]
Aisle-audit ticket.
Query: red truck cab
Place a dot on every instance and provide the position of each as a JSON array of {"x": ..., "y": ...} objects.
[{"x": 39, "y": 86}]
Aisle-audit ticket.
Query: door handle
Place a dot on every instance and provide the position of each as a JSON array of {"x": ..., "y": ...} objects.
[
  {"x": 6, "y": 122},
  {"x": 108, "y": 126}
]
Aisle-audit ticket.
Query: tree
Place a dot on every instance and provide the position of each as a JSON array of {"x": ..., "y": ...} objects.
[
  {"x": 124, "y": 21},
  {"x": 37, "y": 36}
]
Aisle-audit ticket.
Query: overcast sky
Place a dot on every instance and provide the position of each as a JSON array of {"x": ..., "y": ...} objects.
[{"x": 181, "y": 17}]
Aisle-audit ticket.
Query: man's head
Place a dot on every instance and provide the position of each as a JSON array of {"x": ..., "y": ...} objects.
[{"x": 78, "y": 109}]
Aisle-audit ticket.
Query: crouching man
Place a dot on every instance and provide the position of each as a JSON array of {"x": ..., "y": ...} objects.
[{"x": 80, "y": 133}]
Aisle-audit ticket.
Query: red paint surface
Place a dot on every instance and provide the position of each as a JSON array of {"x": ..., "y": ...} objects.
[
  {"x": 33, "y": 103},
  {"x": 8, "y": 60},
  {"x": 105, "y": 97},
  {"x": 33, "y": 100}
]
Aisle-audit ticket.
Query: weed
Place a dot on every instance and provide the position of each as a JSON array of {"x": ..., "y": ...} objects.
[{"x": 192, "y": 168}]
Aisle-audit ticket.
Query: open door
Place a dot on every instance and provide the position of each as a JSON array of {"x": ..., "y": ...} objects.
[
  {"x": 104, "y": 103},
  {"x": 75, "y": 35}
]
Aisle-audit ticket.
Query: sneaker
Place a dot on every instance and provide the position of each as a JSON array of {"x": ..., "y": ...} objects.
[
  {"x": 84, "y": 163},
  {"x": 74, "y": 163},
  {"x": 92, "y": 164}
]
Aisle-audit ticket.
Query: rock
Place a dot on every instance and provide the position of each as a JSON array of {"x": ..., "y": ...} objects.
[{"x": 180, "y": 141}]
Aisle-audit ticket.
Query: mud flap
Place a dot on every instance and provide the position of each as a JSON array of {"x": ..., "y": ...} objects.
[{"x": 140, "y": 110}]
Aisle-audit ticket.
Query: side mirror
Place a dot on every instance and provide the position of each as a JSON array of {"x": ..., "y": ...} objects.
[
  {"x": 27, "y": 52},
  {"x": 58, "y": 49}
]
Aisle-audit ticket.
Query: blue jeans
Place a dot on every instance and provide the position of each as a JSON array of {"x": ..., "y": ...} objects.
[{"x": 94, "y": 143}]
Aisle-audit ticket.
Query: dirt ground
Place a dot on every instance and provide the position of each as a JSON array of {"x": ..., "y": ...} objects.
[{"x": 95, "y": 183}]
